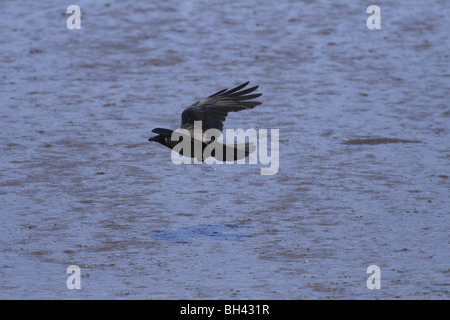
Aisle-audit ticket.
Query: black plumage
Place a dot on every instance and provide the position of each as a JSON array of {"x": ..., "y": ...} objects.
[{"x": 212, "y": 112}]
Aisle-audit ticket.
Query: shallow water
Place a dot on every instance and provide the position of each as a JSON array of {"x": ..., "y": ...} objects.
[{"x": 81, "y": 185}]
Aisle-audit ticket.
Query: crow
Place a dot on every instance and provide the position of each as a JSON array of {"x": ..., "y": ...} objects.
[{"x": 212, "y": 112}]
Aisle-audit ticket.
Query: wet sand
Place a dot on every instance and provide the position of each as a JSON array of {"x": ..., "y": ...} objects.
[{"x": 81, "y": 185}]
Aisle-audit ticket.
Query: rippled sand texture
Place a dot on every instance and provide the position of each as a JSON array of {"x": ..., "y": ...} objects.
[{"x": 363, "y": 117}]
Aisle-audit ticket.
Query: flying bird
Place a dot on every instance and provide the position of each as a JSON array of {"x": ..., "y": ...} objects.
[{"x": 212, "y": 112}]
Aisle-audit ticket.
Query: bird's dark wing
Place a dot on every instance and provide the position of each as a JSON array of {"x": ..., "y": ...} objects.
[{"x": 213, "y": 110}]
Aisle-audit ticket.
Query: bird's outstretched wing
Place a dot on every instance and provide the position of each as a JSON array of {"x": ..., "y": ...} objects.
[{"x": 213, "y": 110}]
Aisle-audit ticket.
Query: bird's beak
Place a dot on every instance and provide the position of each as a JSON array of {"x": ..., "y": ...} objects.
[{"x": 152, "y": 139}]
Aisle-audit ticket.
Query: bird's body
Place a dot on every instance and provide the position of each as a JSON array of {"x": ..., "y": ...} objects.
[{"x": 210, "y": 113}]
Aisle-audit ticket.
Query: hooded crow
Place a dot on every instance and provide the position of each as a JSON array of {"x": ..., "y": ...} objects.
[{"x": 212, "y": 112}]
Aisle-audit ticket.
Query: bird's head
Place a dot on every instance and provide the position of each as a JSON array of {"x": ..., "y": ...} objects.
[
  {"x": 162, "y": 135},
  {"x": 159, "y": 138}
]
